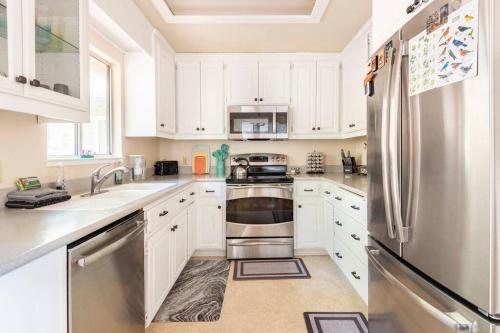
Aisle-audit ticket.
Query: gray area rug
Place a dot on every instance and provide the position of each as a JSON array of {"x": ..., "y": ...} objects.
[
  {"x": 198, "y": 293},
  {"x": 335, "y": 322},
  {"x": 269, "y": 269}
]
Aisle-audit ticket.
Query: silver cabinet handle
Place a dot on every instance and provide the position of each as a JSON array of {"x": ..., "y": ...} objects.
[
  {"x": 113, "y": 247},
  {"x": 444, "y": 317}
]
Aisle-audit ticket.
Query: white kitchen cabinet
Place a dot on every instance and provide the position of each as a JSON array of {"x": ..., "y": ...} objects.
[
  {"x": 180, "y": 243},
  {"x": 354, "y": 59},
  {"x": 44, "y": 58},
  {"x": 309, "y": 224},
  {"x": 212, "y": 98},
  {"x": 159, "y": 276},
  {"x": 34, "y": 296},
  {"x": 192, "y": 212},
  {"x": 188, "y": 97},
  {"x": 252, "y": 83},
  {"x": 274, "y": 83},
  {"x": 150, "y": 91},
  {"x": 210, "y": 228},
  {"x": 327, "y": 97},
  {"x": 315, "y": 100},
  {"x": 328, "y": 223},
  {"x": 200, "y": 100},
  {"x": 243, "y": 83},
  {"x": 303, "y": 102}
]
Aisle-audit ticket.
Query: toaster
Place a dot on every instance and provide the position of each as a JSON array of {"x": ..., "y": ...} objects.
[{"x": 165, "y": 168}]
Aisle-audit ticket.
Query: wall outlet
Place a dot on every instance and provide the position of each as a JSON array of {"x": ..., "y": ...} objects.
[{"x": 184, "y": 161}]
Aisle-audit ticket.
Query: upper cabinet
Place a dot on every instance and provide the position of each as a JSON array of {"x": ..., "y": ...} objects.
[
  {"x": 150, "y": 91},
  {"x": 200, "y": 100},
  {"x": 354, "y": 59},
  {"x": 252, "y": 83},
  {"x": 44, "y": 58},
  {"x": 315, "y": 99}
]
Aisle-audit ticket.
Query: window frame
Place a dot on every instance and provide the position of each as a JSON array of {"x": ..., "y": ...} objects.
[{"x": 109, "y": 156}]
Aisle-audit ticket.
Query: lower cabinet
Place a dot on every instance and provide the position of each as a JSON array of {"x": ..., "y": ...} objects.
[
  {"x": 179, "y": 228},
  {"x": 328, "y": 223},
  {"x": 308, "y": 226},
  {"x": 210, "y": 224},
  {"x": 34, "y": 296},
  {"x": 192, "y": 214}
]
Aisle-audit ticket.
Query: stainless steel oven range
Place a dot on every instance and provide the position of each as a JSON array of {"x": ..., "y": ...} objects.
[{"x": 259, "y": 208}]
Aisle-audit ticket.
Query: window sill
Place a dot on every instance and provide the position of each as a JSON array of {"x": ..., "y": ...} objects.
[{"x": 75, "y": 160}]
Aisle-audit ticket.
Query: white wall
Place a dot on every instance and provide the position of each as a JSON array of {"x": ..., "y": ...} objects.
[{"x": 295, "y": 149}]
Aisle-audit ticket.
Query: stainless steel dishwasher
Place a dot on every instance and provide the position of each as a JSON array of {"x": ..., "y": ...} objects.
[{"x": 106, "y": 279}]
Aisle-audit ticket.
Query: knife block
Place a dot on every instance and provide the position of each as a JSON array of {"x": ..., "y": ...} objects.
[{"x": 349, "y": 164}]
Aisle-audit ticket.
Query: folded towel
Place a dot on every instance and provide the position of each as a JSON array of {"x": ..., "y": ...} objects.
[
  {"x": 37, "y": 204},
  {"x": 36, "y": 195}
]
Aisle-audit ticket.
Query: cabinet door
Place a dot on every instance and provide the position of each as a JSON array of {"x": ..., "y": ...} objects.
[
  {"x": 327, "y": 98},
  {"x": 158, "y": 270},
  {"x": 354, "y": 59},
  {"x": 210, "y": 224},
  {"x": 388, "y": 17},
  {"x": 188, "y": 97},
  {"x": 243, "y": 83},
  {"x": 274, "y": 83},
  {"x": 165, "y": 89},
  {"x": 180, "y": 252},
  {"x": 56, "y": 51},
  {"x": 10, "y": 48},
  {"x": 212, "y": 98},
  {"x": 191, "y": 228},
  {"x": 303, "y": 104},
  {"x": 34, "y": 296},
  {"x": 328, "y": 220},
  {"x": 308, "y": 233}
]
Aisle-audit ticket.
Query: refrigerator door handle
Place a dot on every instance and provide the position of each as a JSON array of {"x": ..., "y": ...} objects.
[
  {"x": 453, "y": 320},
  {"x": 384, "y": 149},
  {"x": 394, "y": 106}
]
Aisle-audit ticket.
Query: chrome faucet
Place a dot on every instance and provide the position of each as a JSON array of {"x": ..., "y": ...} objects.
[{"x": 96, "y": 180}]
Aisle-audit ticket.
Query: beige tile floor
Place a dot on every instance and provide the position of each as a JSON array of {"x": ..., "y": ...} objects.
[{"x": 276, "y": 306}]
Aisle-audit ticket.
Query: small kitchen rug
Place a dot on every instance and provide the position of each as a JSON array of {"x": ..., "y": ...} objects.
[
  {"x": 269, "y": 269},
  {"x": 335, "y": 322},
  {"x": 198, "y": 293}
]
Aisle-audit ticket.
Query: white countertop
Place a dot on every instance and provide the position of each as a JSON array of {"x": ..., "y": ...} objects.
[{"x": 27, "y": 234}]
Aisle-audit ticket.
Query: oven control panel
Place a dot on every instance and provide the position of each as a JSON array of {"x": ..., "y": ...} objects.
[{"x": 260, "y": 159}]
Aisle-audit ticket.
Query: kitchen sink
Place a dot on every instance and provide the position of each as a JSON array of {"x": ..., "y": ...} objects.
[{"x": 113, "y": 198}]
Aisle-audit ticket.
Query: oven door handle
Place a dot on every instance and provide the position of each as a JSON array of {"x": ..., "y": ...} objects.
[
  {"x": 283, "y": 187},
  {"x": 260, "y": 243}
]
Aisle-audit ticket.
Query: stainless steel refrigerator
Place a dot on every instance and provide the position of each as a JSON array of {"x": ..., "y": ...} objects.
[{"x": 434, "y": 184}]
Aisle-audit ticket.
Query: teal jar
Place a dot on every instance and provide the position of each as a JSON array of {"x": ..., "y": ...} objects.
[{"x": 220, "y": 168}]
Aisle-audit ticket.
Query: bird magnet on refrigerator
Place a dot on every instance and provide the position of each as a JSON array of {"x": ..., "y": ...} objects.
[
  {"x": 369, "y": 84},
  {"x": 381, "y": 58}
]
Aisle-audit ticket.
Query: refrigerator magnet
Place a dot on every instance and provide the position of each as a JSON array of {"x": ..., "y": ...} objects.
[
  {"x": 381, "y": 58},
  {"x": 374, "y": 64}
]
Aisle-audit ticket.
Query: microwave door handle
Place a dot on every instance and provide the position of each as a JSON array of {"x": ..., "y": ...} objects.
[
  {"x": 394, "y": 106},
  {"x": 453, "y": 320},
  {"x": 384, "y": 147}
]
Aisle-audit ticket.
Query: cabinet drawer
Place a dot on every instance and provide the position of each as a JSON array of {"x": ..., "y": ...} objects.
[
  {"x": 160, "y": 215},
  {"x": 308, "y": 189},
  {"x": 191, "y": 194},
  {"x": 352, "y": 233},
  {"x": 328, "y": 191},
  {"x": 355, "y": 206},
  {"x": 211, "y": 190}
]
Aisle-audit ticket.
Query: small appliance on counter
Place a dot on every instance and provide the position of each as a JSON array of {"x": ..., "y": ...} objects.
[
  {"x": 315, "y": 163},
  {"x": 137, "y": 166},
  {"x": 166, "y": 168},
  {"x": 348, "y": 162}
]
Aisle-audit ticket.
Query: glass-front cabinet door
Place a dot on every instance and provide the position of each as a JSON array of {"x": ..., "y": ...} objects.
[
  {"x": 11, "y": 47},
  {"x": 56, "y": 57}
]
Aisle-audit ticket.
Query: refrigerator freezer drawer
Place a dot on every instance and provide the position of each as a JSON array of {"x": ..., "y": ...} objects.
[{"x": 400, "y": 301}]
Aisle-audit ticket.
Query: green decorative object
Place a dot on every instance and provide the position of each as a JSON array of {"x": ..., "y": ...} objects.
[{"x": 221, "y": 156}]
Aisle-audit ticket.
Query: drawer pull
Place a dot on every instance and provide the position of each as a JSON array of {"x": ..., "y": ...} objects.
[
  {"x": 165, "y": 212},
  {"x": 182, "y": 200},
  {"x": 192, "y": 193},
  {"x": 338, "y": 255},
  {"x": 338, "y": 223},
  {"x": 355, "y": 237},
  {"x": 355, "y": 207},
  {"x": 327, "y": 192},
  {"x": 308, "y": 190},
  {"x": 300, "y": 206},
  {"x": 219, "y": 207},
  {"x": 356, "y": 276},
  {"x": 172, "y": 229},
  {"x": 209, "y": 191},
  {"x": 338, "y": 198}
]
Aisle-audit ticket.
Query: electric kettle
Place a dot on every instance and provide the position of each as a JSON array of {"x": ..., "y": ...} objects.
[{"x": 241, "y": 171}]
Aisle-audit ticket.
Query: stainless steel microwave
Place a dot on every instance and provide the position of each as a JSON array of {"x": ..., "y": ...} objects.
[{"x": 255, "y": 122}]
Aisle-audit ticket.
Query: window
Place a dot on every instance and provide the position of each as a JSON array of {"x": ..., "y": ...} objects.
[{"x": 94, "y": 138}]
